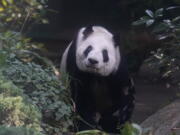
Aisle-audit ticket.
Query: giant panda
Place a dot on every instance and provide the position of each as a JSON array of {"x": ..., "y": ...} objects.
[{"x": 100, "y": 84}]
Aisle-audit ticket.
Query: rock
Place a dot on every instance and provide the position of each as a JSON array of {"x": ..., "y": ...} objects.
[
  {"x": 165, "y": 121},
  {"x": 150, "y": 71}
]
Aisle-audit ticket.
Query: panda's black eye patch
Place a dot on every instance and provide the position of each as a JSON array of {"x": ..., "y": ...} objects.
[
  {"x": 88, "y": 49},
  {"x": 105, "y": 55}
]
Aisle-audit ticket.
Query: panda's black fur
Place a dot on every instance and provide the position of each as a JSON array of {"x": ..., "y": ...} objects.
[{"x": 111, "y": 96}]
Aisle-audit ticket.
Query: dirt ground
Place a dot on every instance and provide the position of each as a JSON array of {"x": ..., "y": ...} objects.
[{"x": 150, "y": 97}]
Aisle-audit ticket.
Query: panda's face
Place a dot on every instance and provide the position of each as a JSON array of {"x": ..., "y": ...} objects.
[{"x": 96, "y": 51}]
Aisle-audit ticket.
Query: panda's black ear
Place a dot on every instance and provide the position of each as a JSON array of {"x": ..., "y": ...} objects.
[
  {"x": 117, "y": 38},
  {"x": 88, "y": 30}
]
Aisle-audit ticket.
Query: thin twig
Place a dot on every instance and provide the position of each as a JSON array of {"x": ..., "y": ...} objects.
[
  {"x": 25, "y": 21},
  {"x": 85, "y": 122},
  {"x": 175, "y": 128}
]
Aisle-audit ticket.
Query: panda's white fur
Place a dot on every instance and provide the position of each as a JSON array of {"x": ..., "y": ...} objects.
[
  {"x": 99, "y": 39},
  {"x": 64, "y": 60}
]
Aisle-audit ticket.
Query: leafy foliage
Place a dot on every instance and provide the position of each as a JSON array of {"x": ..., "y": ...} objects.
[
  {"x": 163, "y": 28},
  {"x": 126, "y": 129},
  {"x": 91, "y": 132},
  {"x": 24, "y": 78},
  {"x": 13, "y": 16},
  {"x": 7, "y": 88},
  {"x": 44, "y": 90},
  {"x": 130, "y": 129},
  {"x": 165, "y": 62},
  {"x": 41, "y": 85},
  {"x": 17, "y": 131},
  {"x": 13, "y": 41},
  {"x": 15, "y": 110}
]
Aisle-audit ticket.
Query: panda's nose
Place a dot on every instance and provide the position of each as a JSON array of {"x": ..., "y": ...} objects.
[{"x": 92, "y": 61}]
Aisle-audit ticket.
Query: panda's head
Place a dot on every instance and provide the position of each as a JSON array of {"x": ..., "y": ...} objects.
[{"x": 96, "y": 51}]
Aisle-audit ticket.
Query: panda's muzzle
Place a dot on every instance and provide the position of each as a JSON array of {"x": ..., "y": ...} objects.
[{"x": 92, "y": 61}]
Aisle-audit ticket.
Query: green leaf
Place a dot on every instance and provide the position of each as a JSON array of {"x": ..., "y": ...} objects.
[
  {"x": 176, "y": 19},
  {"x": 2, "y": 59},
  {"x": 6, "y": 130},
  {"x": 172, "y": 7},
  {"x": 1, "y": 9},
  {"x": 4, "y": 2},
  {"x": 138, "y": 22},
  {"x": 91, "y": 132},
  {"x": 128, "y": 129},
  {"x": 168, "y": 23},
  {"x": 149, "y": 22},
  {"x": 159, "y": 12},
  {"x": 149, "y": 13},
  {"x": 163, "y": 36},
  {"x": 145, "y": 18},
  {"x": 141, "y": 21}
]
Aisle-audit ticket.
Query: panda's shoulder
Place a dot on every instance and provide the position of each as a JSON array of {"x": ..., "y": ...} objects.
[{"x": 64, "y": 59}]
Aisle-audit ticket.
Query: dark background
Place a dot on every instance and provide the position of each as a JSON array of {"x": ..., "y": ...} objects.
[{"x": 67, "y": 16}]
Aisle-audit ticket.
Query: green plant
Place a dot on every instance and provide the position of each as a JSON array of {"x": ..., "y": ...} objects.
[
  {"x": 44, "y": 90},
  {"x": 17, "y": 131},
  {"x": 131, "y": 129},
  {"x": 15, "y": 109},
  {"x": 13, "y": 41},
  {"x": 13, "y": 16},
  {"x": 15, "y": 112},
  {"x": 91, "y": 132},
  {"x": 163, "y": 28},
  {"x": 23, "y": 80},
  {"x": 19, "y": 64},
  {"x": 7, "y": 88},
  {"x": 14, "y": 44},
  {"x": 164, "y": 62}
]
